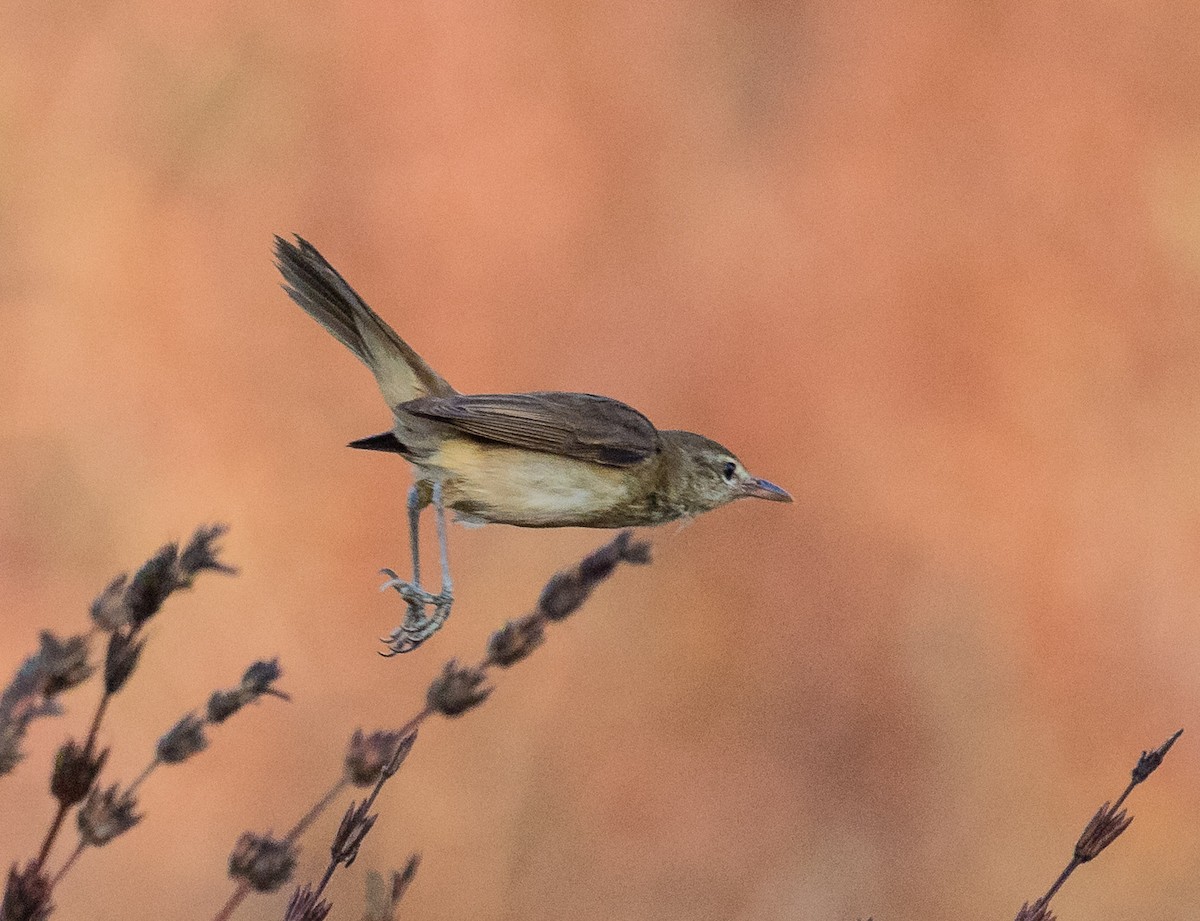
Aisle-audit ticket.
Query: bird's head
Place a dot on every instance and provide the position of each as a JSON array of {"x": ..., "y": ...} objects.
[{"x": 704, "y": 474}]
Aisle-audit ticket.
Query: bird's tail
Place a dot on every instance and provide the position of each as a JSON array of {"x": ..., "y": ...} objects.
[{"x": 324, "y": 295}]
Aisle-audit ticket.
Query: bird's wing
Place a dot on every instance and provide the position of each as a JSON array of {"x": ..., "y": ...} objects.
[{"x": 579, "y": 425}]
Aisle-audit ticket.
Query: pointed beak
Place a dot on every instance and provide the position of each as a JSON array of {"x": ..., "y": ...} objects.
[{"x": 761, "y": 489}]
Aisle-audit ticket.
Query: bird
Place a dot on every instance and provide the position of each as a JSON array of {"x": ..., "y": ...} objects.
[{"x": 545, "y": 459}]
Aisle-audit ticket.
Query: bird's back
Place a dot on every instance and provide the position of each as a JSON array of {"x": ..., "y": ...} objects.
[{"x": 546, "y": 459}]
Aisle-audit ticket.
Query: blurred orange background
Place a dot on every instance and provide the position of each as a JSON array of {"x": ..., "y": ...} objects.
[{"x": 932, "y": 266}]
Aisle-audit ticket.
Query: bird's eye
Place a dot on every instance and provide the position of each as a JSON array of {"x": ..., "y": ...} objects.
[{"x": 728, "y": 471}]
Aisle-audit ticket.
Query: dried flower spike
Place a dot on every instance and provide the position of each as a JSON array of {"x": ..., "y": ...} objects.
[
  {"x": 457, "y": 689},
  {"x": 152, "y": 584},
  {"x": 22, "y": 701},
  {"x": 181, "y": 741},
  {"x": 1149, "y": 762},
  {"x": 262, "y": 861},
  {"x": 402, "y": 880},
  {"x": 170, "y": 570},
  {"x": 63, "y": 664},
  {"x": 368, "y": 755},
  {"x": 75, "y": 770},
  {"x": 1103, "y": 829},
  {"x": 599, "y": 564},
  {"x": 259, "y": 677},
  {"x": 110, "y": 610},
  {"x": 566, "y": 591},
  {"x": 516, "y": 640},
  {"x": 26, "y": 895},
  {"x": 356, "y": 825},
  {"x": 1035, "y": 912},
  {"x": 106, "y": 815},
  {"x": 121, "y": 658},
  {"x": 305, "y": 905},
  {"x": 257, "y": 681},
  {"x": 201, "y": 554},
  {"x": 383, "y": 897}
]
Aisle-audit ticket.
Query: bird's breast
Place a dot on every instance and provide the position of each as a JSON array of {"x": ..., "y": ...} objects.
[{"x": 505, "y": 485}]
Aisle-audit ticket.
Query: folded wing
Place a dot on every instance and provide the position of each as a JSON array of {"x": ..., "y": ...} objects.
[{"x": 578, "y": 425}]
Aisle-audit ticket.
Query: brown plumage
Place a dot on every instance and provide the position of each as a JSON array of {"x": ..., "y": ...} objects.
[{"x": 545, "y": 459}]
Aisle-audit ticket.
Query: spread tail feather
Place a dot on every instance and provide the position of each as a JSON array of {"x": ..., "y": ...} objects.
[{"x": 324, "y": 295}]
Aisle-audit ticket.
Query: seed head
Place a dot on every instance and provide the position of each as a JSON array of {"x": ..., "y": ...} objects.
[
  {"x": 152, "y": 584},
  {"x": 1035, "y": 912},
  {"x": 566, "y": 591},
  {"x": 403, "y": 879},
  {"x": 457, "y": 689},
  {"x": 110, "y": 610},
  {"x": 262, "y": 861},
  {"x": 106, "y": 815},
  {"x": 181, "y": 741},
  {"x": 1103, "y": 829},
  {"x": 383, "y": 897},
  {"x": 1149, "y": 762},
  {"x": 305, "y": 906},
  {"x": 260, "y": 676},
  {"x": 368, "y": 755},
  {"x": 223, "y": 704},
  {"x": 516, "y": 640},
  {"x": 202, "y": 554},
  {"x": 356, "y": 824},
  {"x": 121, "y": 659},
  {"x": 62, "y": 664},
  {"x": 171, "y": 569},
  {"x": 26, "y": 895},
  {"x": 75, "y": 770},
  {"x": 257, "y": 681}
]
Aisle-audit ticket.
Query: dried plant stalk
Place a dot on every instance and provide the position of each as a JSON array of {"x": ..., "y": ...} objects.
[
  {"x": 1108, "y": 824},
  {"x": 372, "y": 760}
]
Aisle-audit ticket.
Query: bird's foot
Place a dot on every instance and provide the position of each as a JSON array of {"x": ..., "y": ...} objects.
[{"x": 417, "y": 626}]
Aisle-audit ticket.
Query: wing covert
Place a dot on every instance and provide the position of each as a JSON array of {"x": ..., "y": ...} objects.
[{"x": 580, "y": 425}]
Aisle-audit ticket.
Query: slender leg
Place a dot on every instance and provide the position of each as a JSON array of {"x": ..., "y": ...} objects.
[
  {"x": 447, "y": 593},
  {"x": 414, "y": 530},
  {"x": 417, "y": 626},
  {"x": 418, "y": 498}
]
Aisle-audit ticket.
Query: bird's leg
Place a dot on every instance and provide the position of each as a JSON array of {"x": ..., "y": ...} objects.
[
  {"x": 414, "y": 530},
  {"x": 417, "y": 626},
  {"x": 446, "y": 596},
  {"x": 412, "y": 592}
]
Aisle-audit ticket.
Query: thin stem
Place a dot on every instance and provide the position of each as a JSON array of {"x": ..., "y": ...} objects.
[
  {"x": 51, "y": 834},
  {"x": 1062, "y": 878},
  {"x": 141, "y": 778},
  {"x": 235, "y": 899},
  {"x": 325, "y": 878},
  {"x": 79, "y": 849},
  {"x": 317, "y": 808},
  {"x": 1121, "y": 798},
  {"x": 94, "y": 731}
]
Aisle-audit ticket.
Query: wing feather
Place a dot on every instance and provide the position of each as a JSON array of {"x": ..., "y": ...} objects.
[{"x": 579, "y": 425}]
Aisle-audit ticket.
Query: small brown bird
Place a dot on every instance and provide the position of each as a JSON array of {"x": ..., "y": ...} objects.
[{"x": 535, "y": 460}]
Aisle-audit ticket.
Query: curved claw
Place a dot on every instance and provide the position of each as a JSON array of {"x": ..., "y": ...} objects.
[{"x": 416, "y": 628}]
